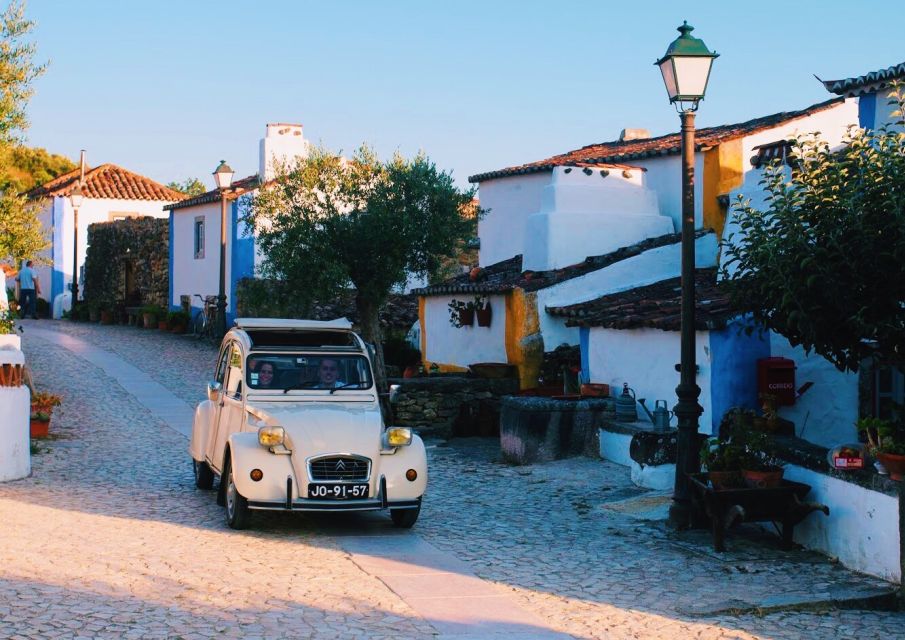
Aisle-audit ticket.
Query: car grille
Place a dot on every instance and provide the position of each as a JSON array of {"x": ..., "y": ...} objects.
[{"x": 340, "y": 468}]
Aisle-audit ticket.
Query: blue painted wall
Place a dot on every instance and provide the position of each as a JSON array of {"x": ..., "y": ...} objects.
[
  {"x": 733, "y": 379},
  {"x": 242, "y": 259},
  {"x": 867, "y": 111},
  {"x": 584, "y": 339},
  {"x": 56, "y": 249},
  {"x": 173, "y": 307}
]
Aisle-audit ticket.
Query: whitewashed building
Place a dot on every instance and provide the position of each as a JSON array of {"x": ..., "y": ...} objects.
[
  {"x": 109, "y": 193},
  {"x": 195, "y": 228}
]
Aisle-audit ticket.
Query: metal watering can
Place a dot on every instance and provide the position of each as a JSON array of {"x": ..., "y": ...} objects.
[
  {"x": 625, "y": 405},
  {"x": 661, "y": 415}
]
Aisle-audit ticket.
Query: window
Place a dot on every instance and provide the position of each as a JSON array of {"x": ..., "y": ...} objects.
[
  {"x": 889, "y": 391},
  {"x": 199, "y": 237}
]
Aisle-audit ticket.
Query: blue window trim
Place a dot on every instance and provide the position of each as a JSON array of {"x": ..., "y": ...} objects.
[{"x": 867, "y": 111}]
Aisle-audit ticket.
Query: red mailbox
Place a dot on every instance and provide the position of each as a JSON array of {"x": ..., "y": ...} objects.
[{"x": 776, "y": 376}]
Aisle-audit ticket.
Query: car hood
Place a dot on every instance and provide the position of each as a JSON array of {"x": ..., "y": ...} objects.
[{"x": 314, "y": 429}]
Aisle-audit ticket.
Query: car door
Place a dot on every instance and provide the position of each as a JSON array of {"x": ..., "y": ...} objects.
[
  {"x": 230, "y": 414},
  {"x": 209, "y": 448}
]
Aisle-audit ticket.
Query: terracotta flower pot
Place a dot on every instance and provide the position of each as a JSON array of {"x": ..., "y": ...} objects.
[
  {"x": 39, "y": 428},
  {"x": 595, "y": 390},
  {"x": 94, "y": 315},
  {"x": 762, "y": 479},
  {"x": 162, "y": 325},
  {"x": 894, "y": 463},
  {"x": 724, "y": 479},
  {"x": 466, "y": 317},
  {"x": 106, "y": 317},
  {"x": 484, "y": 316}
]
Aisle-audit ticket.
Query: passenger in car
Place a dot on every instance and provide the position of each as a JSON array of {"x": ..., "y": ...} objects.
[{"x": 264, "y": 376}]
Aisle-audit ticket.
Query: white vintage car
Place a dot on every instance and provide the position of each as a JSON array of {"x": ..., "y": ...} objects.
[{"x": 292, "y": 422}]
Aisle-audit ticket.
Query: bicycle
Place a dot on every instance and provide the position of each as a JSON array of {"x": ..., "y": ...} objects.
[{"x": 205, "y": 320}]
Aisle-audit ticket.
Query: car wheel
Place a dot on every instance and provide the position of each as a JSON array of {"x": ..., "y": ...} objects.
[
  {"x": 238, "y": 514},
  {"x": 405, "y": 518},
  {"x": 204, "y": 477}
]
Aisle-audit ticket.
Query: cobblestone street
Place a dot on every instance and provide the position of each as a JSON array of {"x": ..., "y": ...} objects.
[{"x": 108, "y": 538}]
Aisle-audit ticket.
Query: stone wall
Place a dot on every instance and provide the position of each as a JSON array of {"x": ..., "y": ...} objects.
[{"x": 451, "y": 405}]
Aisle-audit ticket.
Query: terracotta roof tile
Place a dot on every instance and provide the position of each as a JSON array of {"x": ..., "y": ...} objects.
[
  {"x": 107, "y": 181},
  {"x": 868, "y": 83},
  {"x": 656, "y": 306},
  {"x": 508, "y": 275},
  {"x": 623, "y": 151},
  {"x": 238, "y": 186}
]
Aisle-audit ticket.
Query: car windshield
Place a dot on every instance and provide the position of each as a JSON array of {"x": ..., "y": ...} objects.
[{"x": 290, "y": 371}]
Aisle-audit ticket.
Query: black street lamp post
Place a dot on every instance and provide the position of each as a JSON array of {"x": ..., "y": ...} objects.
[
  {"x": 686, "y": 70},
  {"x": 75, "y": 198},
  {"x": 223, "y": 176}
]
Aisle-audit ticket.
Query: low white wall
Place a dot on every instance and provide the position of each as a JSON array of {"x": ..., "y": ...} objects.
[
  {"x": 862, "y": 530},
  {"x": 463, "y": 346},
  {"x": 615, "y": 448},
  {"x": 15, "y": 409},
  {"x": 646, "y": 359}
]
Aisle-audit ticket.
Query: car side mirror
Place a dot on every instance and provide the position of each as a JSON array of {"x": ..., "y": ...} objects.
[
  {"x": 394, "y": 393},
  {"x": 213, "y": 391}
]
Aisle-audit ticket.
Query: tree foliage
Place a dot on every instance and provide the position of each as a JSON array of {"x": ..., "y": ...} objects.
[
  {"x": 190, "y": 186},
  {"x": 824, "y": 263},
  {"x": 327, "y": 222},
  {"x": 22, "y": 168},
  {"x": 21, "y": 234}
]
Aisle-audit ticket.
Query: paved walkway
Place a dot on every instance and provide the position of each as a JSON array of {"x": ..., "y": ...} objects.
[{"x": 108, "y": 537}]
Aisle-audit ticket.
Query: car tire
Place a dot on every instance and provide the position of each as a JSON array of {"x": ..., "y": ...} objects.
[
  {"x": 204, "y": 477},
  {"x": 405, "y": 518},
  {"x": 238, "y": 515}
]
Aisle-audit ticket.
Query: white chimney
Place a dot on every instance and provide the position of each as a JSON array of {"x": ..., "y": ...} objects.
[
  {"x": 283, "y": 143},
  {"x": 634, "y": 134}
]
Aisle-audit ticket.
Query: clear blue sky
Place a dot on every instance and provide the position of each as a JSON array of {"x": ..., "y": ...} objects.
[{"x": 168, "y": 88}]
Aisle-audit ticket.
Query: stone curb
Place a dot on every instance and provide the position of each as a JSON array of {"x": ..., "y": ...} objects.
[{"x": 879, "y": 599}]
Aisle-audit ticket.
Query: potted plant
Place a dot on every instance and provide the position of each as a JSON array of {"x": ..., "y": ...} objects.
[
  {"x": 94, "y": 312},
  {"x": 149, "y": 316},
  {"x": 43, "y": 402},
  {"x": 483, "y": 311},
  {"x": 106, "y": 316},
  {"x": 761, "y": 468},
  {"x": 39, "y": 426},
  {"x": 8, "y": 335},
  {"x": 461, "y": 314},
  {"x": 886, "y": 442},
  {"x": 722, "y": 457},
  {"x": 83, "y": 312},
  {"x": 178, "y": 321}
]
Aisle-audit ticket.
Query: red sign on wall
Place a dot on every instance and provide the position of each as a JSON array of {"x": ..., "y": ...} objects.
[{"x": 776, "y": 376}]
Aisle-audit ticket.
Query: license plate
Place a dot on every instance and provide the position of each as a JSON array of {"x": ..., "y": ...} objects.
[{"x": 328, "y": 491}]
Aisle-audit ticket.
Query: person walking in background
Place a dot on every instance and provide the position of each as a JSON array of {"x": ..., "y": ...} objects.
[{"x": 29, "y": 289}]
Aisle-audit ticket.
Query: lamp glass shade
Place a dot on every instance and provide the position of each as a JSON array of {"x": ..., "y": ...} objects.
[
  {"x": 691, "y": 76},
  {"x": 669, "y": 78},
  {"x": 76, "y": 197},
  {"x": 223, "y": 175}
]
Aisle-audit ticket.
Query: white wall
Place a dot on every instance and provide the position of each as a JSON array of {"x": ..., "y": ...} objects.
[
  {"x": 510, "y": 201},
  {"x": 826, "y": 413},
  {"x": 467, "y": 345},
  {"x": 584, "y": 212},
  {"x": 191, "y": 275},
  {"x": 862, "y": 530},
  {"x": 282, "y": 143},
  {"x": 646, "y": 360},
  {"x": 664, "y": 177}
]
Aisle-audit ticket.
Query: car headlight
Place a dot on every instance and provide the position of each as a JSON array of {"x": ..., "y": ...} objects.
[
  {"x": 271, "y": 436},
  {"x": 398, "y": 436}
]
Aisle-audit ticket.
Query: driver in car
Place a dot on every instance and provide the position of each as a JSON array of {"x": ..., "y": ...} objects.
[{"x": 328, "y": 374}]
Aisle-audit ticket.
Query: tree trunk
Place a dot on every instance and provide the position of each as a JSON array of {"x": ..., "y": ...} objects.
[{"x": 369, "y": 314}]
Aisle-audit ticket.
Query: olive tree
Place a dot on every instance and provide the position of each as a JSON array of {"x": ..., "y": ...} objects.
[
  {"x": 326, "y": 222},
  {"x": 21, "y": 234},
  {"x": 823, "y": 263}
]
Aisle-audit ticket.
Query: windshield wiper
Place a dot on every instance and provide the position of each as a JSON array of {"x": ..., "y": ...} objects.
[{"x": 345, "y": 386}]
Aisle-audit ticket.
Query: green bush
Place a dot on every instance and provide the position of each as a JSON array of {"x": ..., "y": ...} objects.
[{"x": 177, "y": 318}]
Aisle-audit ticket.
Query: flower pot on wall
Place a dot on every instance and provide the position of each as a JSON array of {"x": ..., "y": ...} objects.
[
  {"x": 893, "y": 463},
  {"x": 466, "y": 317},
  {"x": 484, "y": 315}
]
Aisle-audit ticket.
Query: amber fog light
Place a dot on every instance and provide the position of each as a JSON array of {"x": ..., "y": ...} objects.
[
  {"x": 256, "y": 474},
  {"x": 411, "y": 475}
]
